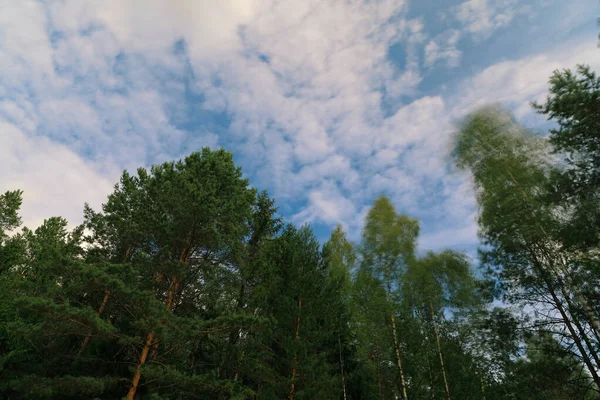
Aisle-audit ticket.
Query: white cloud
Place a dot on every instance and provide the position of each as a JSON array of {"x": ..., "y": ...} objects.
[
  {"x": 517, "y": 82},
  {"x": 25, "y": 51},
  {"x": 151, "y": 26},
  {"x": 481, "y": 18},
  {"x": 326, "y": 204},
  {"x": 302, "y": 83},
  {"x": 457, "y": 237},
  {"x": 55, "y": 181},
  {"x": 443, "y": 49}
]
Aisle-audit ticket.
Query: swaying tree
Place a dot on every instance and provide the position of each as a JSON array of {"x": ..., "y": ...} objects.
[
  {"x": 187, "y": 284},
  {"x": 511, "y": 171},
  {"x": 340, "y": 258},
  {"x": 434, "y": 285},
  {"x": 387, "y": 248}
]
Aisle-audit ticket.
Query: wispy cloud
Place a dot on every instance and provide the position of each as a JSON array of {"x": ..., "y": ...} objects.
[
  {"x": 481, "y": 18},
  {"x": 443, "y": 49},
  {"x": 305, "y": 93}
]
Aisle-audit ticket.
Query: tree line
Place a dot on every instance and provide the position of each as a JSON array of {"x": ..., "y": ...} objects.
[{"x": 187, "y": 284}]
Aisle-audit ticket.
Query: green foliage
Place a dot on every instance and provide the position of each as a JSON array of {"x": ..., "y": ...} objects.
[
  {"x": 574, "y": 103},
  {"x": 187, "y": 284},
  {"x": 538, "y": 214},
  {"x": 10, "y": 202}
]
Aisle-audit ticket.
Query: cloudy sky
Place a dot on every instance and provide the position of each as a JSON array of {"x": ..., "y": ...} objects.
[{"x": 325, "y": 103}]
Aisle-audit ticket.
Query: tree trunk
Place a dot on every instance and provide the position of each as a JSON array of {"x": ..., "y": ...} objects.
[
  {"x": 171, "y": 292},
  {"x": 430, "y": 369},
  {"x": 576, "y": 339},
  {"x": 593, "y": 320},
  {"x": 397, "y": 351},
  {"x": 482, "y": 387},
  {"x": 379, "y": 383},
  {"x": 592, "y": 316},
  {"x": 561, "y": 271},
  {"x": 580, "y": 298},
  {"x": 342, "y": 368},
  {"x": 88, "y": 337},
  {"x": 439, "y": 351},
  {"x": 293, "y": 384},
  {"x": 138, "y": 369},
  {"x": 580, "y": 328},
  {"x": 539, "y": 267},
  {"x": 403, "y": 394}
]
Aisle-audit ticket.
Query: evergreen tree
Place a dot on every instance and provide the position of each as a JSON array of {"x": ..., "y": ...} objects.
[{"x": 186, "y": 284}]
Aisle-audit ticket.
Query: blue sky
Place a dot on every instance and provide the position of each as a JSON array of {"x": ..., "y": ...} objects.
[{"x": 326, "y": 104}]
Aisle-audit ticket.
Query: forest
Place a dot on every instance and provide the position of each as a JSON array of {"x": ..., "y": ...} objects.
[{"x": 188, "y": 284}]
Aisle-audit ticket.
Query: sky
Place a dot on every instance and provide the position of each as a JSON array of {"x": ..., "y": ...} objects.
[{"x": 326, "y": 104}]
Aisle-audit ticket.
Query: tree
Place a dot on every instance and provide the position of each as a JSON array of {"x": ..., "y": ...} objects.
[
  {"x": 435, "y": 284},
  {"x": 520, "y": 229},
  {"x": 194, "y": 215},
  {"x": 302, "y": 337},
  {"x": 546, "y": 371},
  {"x": 340, "y": 258},
  {"x": 11, "y": 248},
  {"x": 388, "y": 247},
  {"x": 573, "y": 103}
]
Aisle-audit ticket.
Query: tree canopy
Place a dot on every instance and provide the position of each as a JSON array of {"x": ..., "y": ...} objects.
[{"x": 188, "y": 284}]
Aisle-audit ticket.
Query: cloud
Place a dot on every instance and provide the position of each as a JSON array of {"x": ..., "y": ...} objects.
[
  {"x": 481, "y": 18},
  {"x": 303, "y": 92},
  {"x": 151, "y": 26},
  {"x": 515, "y": 83},
  {"x": 461, "y": 237},
  {"x": 326, "y": 204},
  {"x": 443, "y": 49},
  {"x": 55, "y": 180}
]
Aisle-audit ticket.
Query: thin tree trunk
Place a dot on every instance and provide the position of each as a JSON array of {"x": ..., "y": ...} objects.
[
  {"x": 398, "y": 352},
  {"x": 593, "y": 320},
  {"x": 430, "y": 369},
  {"x": 138, "y": 369},
  {"x": 403, "y": 394},
  {"x": 293, "y": 384},
  {"x": 193, "y": 361},
  {"x": 439, "y": 350},
  {"x": 576, "y": 339},
  {"x": 580, "y": 298},
  {"x": 561, "y": 271},
  {"x": 379, "y": 383},
  {"x": 145, "y": 350},
  {"x": 482, "y": 387},
  {"x": 539, "y": 267},
  {"x": 342, "y": 368},
  {"x": 88, "y": 337},
  {"x": 172, "y": 290},
  {"x": 173, "y": 287},
  {"x": 592, "y": 316},
  {"x": 580, "y": 328}
]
